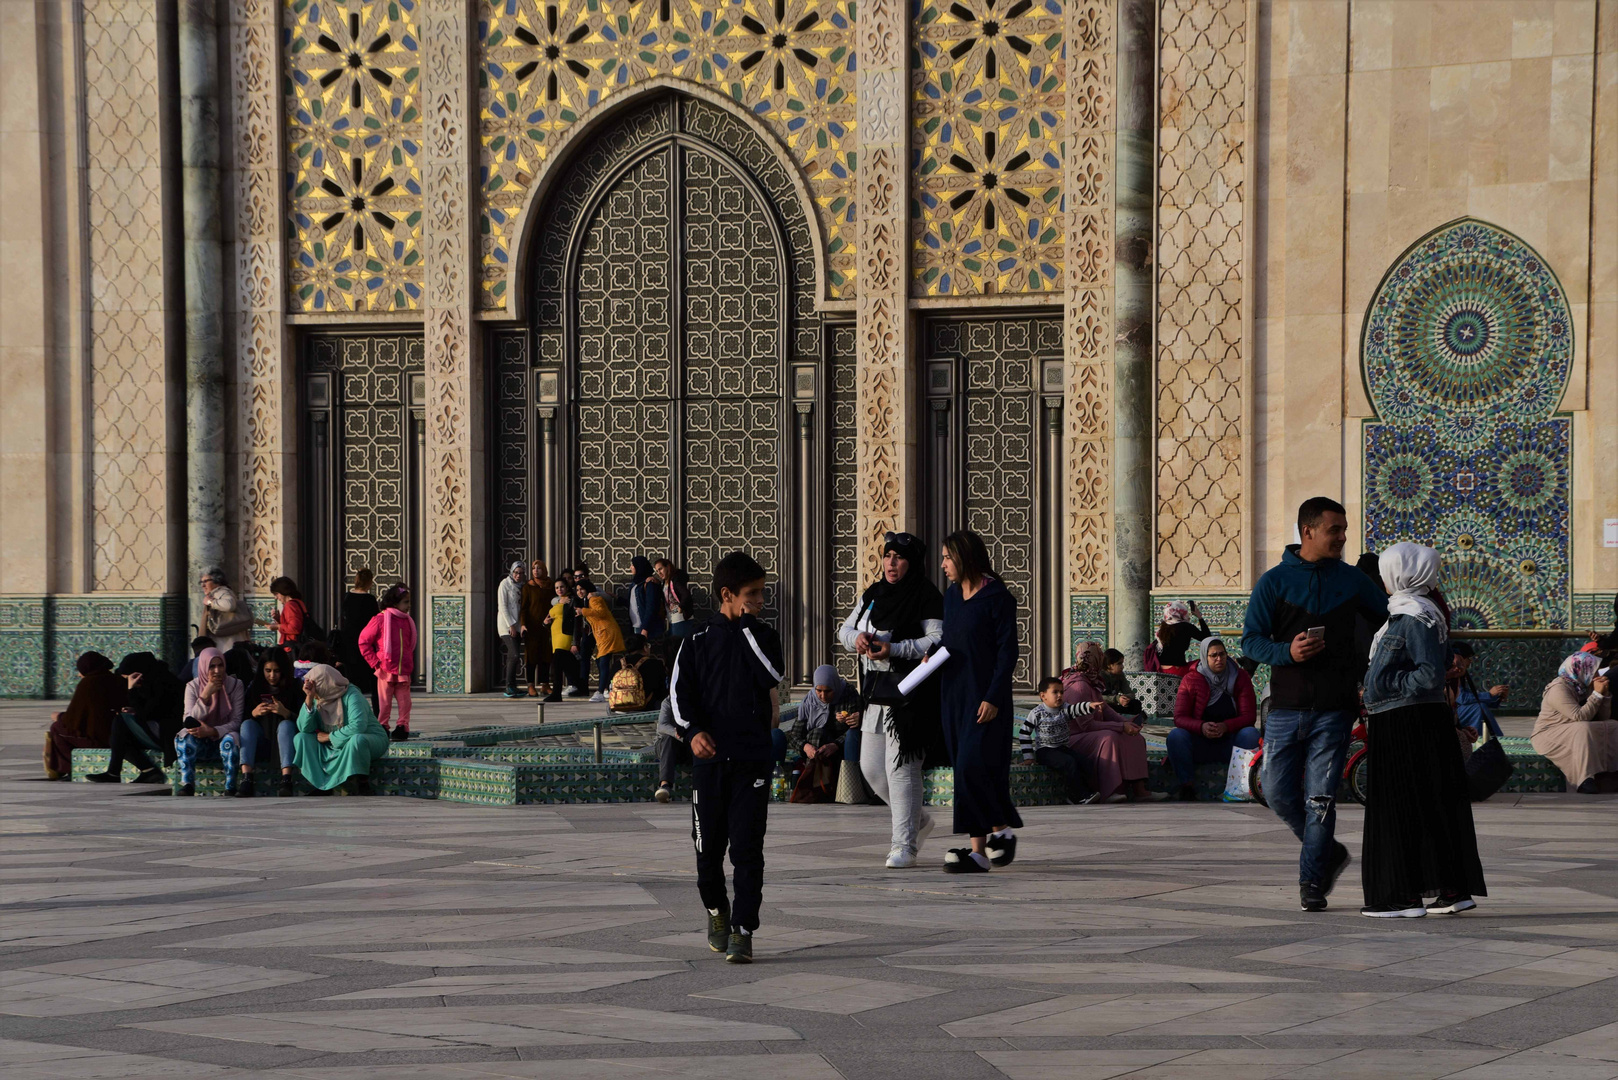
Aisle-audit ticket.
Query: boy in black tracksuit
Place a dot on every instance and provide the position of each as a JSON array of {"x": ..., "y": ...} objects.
[{"x": 721, "y": 689}]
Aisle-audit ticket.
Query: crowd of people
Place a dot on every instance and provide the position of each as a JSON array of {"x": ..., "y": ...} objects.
[
  {"x": 315, "y": 704},
  {"x": 551, "y": 629},
  {"x": 1344, "y": 643}
]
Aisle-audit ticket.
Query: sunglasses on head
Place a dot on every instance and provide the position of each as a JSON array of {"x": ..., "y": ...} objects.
[{"x": 902, "y": 539}]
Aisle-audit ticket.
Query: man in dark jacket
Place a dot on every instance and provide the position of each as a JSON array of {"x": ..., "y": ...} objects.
[
  {"x": 722, "y": 689},
  {"x": 1301, "y": 621}
]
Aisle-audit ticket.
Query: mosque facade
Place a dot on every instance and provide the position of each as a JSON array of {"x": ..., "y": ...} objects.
[{"x": 426, "y": 286}]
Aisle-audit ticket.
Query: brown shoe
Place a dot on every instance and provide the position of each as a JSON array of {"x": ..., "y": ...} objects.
[{"x": 533, "y": 691}]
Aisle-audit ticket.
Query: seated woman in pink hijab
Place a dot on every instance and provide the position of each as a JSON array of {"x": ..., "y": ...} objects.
[{"x": 1109, "y": 741}]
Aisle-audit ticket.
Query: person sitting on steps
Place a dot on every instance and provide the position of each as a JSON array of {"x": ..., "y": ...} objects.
[{"x": 1213, "y": 713}]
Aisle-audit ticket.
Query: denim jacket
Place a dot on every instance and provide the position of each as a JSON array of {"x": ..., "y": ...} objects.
[{"x": 1407, "y": 667}]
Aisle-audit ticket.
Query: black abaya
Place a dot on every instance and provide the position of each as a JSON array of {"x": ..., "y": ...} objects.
[
  {"x": 1419, "y": 839},
  {"x": 981, "y": 636}
]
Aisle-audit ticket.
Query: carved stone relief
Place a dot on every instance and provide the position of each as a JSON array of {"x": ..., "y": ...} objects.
[
  {"x": 446, "y": 191},
  {"x": 1087, "y": 178},
  {"x": 884, "y": 236},
  {"x": 1200, "y": 203},
  {"x": 261, "y": 429},
  {"x": 123, "y": 145}
]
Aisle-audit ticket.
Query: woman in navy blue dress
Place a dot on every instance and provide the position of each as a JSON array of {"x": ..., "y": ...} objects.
[{"x": 980, "y": 632}]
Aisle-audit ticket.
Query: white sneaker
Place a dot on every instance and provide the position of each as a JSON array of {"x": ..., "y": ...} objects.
[
  {"x": 597, "y": 698},
  {"x": 575, "y": 691},
  {"x": 926, "y": 829},
  {"x": 663, "y": 793},
  {"x": 901, "y": 858}
]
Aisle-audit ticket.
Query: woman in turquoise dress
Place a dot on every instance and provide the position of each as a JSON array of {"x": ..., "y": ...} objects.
[{"x": 338, "y": 736}]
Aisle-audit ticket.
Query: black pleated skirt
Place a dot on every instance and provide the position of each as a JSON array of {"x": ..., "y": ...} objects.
[{"x": 1419, "y": 839}]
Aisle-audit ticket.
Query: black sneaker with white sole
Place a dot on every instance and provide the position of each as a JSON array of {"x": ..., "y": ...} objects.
[
  {"x": 1001, "y": 850},
  {"x": 1411, "y": 909},
  {"x": 718, "y": 928},
  {"x": 1311, "y": 897},
  {"x": 1451, "y": 903},
  {"x": 959, "y": 861},
  {"x": 740, "y": 949}
]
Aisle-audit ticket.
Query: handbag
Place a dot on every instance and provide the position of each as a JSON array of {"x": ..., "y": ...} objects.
[
  {"x": 235, "y": 626},
  {"x": 1487, "y": 770},
  {"x": 816, "y": 783},
  {"x": 851, "y": 785}
]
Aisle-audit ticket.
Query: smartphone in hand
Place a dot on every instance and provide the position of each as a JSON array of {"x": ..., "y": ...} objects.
[{"x": 1316, "y": 633}]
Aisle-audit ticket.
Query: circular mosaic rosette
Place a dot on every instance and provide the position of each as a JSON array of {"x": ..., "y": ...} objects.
[
  {"x": 1465, "y": 534},
  {"x": 1469, "y": 320}
]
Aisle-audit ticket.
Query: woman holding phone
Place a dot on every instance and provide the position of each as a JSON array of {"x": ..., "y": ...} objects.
[
  {"x": 211, "y": 728},
  {"x": 273, "y": 702}
]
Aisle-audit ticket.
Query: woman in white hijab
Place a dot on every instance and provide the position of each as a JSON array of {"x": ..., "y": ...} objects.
[
  {"x": 1419, "y": 839},
  {"x": 338, "y": 736}
]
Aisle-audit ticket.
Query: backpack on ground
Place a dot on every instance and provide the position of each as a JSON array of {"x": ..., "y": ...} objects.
[{"x": 627, "y": 692}]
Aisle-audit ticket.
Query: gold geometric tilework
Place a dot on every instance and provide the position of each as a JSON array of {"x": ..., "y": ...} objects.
[
  {"x": 353, "y": 112},
  {"x": 545, "y": 63},
  {"x": 986, "y": 147},
  {"x": 1201, "y": 147},
  {"x": 128, "y": 359}
]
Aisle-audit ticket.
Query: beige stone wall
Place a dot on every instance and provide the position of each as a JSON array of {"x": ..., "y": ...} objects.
[
  {"x": 24, "y": 332},
  {"x": 1378, "y": 121}
]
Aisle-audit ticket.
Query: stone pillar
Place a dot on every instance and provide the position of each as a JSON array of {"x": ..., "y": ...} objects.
[
  {"x": 204, "y": 346},
  {"x": 454, "y": 607},
  {"x": 884, "y": 445},
  {"x": 1087, "y": 303},
  {"x": 1132, "y": 350}
]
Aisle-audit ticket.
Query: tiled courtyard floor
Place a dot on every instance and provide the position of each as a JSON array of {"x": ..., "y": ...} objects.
[{"x": 148, "y": 936}]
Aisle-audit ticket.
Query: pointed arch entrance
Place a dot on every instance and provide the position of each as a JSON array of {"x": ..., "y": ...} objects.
[{"x": 669, "y": 393}]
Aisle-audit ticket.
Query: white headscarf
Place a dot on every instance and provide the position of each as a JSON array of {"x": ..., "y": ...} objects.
[
  {"x": 1410, "y": 572},
  {"x": 329, "y": 687}
]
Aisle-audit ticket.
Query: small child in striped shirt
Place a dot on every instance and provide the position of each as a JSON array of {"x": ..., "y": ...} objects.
[{"x": 1043, "y": 737}]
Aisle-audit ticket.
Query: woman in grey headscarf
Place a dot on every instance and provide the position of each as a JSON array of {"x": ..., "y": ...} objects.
[{"x": 818, "y": 732}]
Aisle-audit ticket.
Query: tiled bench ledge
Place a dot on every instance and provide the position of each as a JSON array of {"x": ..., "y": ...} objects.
[{"x": 509, "y": 776}]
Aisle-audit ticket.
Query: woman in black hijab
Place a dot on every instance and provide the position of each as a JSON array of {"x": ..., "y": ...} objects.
[
  {"x": 898, "y": 619},
  {"x": 149, "y": 720}
]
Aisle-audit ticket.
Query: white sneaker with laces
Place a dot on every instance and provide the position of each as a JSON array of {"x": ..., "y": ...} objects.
[
  {"x": 901, "y": 858},
  {"x": 597, "y": 698}
]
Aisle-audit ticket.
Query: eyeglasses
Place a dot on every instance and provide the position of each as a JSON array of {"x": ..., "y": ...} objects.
[{"x": 902, "y": 539}]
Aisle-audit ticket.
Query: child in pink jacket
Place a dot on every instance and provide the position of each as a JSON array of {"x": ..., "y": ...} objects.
[{"x": 388, "y": 644}]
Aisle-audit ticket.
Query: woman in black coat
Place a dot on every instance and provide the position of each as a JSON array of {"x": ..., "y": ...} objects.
[
  {"x": 980, "y": 632},
  {"x": 359, "y": 608}
]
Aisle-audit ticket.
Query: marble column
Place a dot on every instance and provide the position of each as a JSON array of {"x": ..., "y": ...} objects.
[
  {"x": 885, "y": 443},
  {"x": 1132, "y": 349},
  {"x": 204, "y": 348}
]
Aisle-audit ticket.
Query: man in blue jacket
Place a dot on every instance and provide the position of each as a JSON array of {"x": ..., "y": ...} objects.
[{"x": 1301, "y": 621}]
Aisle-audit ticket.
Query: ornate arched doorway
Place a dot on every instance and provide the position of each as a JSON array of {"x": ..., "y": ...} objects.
[
  {"x": 1466, "y": 348},
  {"x": 670, "y": 394}
]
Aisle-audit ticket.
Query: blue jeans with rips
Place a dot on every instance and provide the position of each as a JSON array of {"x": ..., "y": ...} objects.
[{"x": 1304, "y": 751}]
